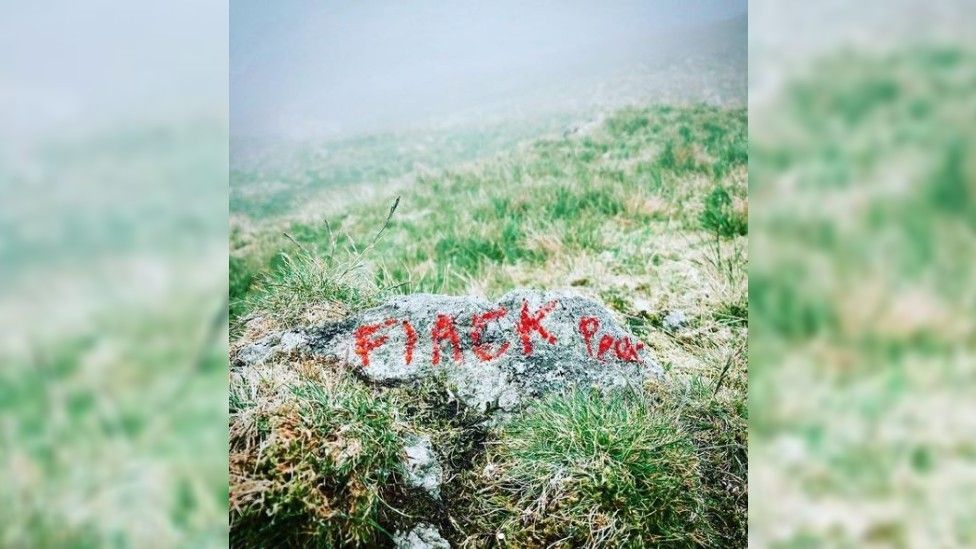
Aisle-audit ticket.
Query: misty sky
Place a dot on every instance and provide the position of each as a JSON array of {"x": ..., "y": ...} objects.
[
  {"x": 302, "y": 69},
  {"x": 80, "y": 66}
]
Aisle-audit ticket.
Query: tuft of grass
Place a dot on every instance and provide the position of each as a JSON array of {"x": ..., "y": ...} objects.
[
  {"x": 469, "y": 254},
  {"x": 315, "y": 470},
  {"x": 717, "y": 423},
  {"x": 627, "y": 122},
  {"x": 678, "y": 158},
  {"x": 589, "y": 470},
  {"x": 305, "y": 279},
  {"x": 241, "y": 278},
  {"x": 568, "y": 203},
  {"x": 721, "y": 217}
]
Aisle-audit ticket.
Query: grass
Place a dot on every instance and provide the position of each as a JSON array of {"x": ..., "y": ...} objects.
[
  {"x": 548, "y": 200},
  {"x": 590, "y": 470},
  {"x": 98, "y": 426},
  {"x": 861, "y": 304},
  {"x": 315, "y": 171},
  {"x": 608, "y": 212},
  {"x": 327, "y": 456},
  {"x": 720, "y": 217}
]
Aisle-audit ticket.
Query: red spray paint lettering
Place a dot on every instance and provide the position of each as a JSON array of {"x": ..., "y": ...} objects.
[
  {"x": 623, "y": 348},
  {"x": 606, "y": 342},
  {"x": 411, "y": 341},
  {"x": 363, "y": 342},
  {"x": 444, "y": 329},
  {"x": 479, "y": 322},
  {"x": 527, "y": 324},
  {"x": 588, "y": 325}
]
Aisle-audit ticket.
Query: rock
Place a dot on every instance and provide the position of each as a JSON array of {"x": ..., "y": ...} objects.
[
  {"x": 641, "y": 305},
  {"x": 674, "y": 321},
  {"x": 495, "y": 355},
  {"x": 423, "y": 469},
  {"x": 500, "y": 354},
  {"x": 423, "y": 536},
  {"x": 267, "y": 347}
]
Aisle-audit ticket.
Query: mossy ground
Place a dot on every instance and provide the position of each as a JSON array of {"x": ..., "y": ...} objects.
[{"x": 645, "y": 211}]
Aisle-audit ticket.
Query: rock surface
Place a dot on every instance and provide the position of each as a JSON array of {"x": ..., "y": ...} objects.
[
  {"x": 674, "y": 321},
  {"x": 423, "y": 469},
  {"x": 495, "y": 355},
  {"x": 267, "y": 347},
  {"x": 423, "y": 536}
]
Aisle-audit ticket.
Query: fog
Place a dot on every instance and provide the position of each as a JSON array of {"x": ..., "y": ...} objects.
[
  {"x": 302, "y": 70},
  {"x": 73, "y": 68}
]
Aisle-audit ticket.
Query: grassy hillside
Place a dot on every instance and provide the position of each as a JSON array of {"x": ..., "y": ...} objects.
[
  {"x": 279, "y": 180},
  {"x": 646, "y": 211}
]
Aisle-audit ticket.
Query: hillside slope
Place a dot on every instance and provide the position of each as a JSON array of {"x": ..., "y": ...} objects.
[{"x": 645, "y": 211}]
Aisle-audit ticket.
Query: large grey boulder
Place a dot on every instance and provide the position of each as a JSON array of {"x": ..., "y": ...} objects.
[{"x": 496, "y": 354}]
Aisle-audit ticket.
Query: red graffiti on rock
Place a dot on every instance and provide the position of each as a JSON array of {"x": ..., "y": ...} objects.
[
  {"x": 588, "y": 326},
  {"x": 444, "y": 329},
  {"x": 411, "y": 341},
  {"x": 363, "y": 342},
  {"x": 528, "y": 328},
  {"x": 622, "y": 347},
  {"x": 529, "y": 323},
  {"x": 478, "y": 323}
]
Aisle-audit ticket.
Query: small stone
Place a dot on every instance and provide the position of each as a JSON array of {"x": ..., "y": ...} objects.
[
  {"x": 640, "y": 305},
  {"x": 291, "y": 341},
  {"x": 423, "y": 469},
  {"x": 674, "y": 321},
  {"x": 269, "y": 346},
  {"x": 423, "y": 536}
]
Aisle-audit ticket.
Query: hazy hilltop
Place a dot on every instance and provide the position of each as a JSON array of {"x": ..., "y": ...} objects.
[
  {"x": 645, "y": 212},
  {"x": 433, "y": 93},
  {"x": 346, "y": 70}
]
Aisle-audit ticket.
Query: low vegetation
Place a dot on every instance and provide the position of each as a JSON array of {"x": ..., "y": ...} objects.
[
  {"x": 325, "y": 460},
  {"x": 593, "y": 470},
  {"x": 645, "y": 211},
  {"x": 113, "y": 349}
]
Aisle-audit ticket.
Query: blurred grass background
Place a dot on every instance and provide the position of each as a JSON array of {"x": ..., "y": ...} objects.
[
  {"x": 863, "y": 234},
  {"x": 113, "y": 343},
  {"x": 113, "y": 169}
]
